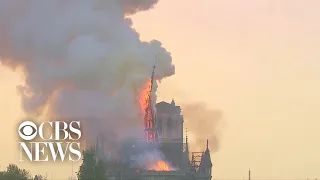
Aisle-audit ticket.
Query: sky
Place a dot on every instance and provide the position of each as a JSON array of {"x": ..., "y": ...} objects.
[{"x": 256, "y": 61}]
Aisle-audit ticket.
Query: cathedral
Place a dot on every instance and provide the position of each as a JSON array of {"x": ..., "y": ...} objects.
[{"x": 171, "y": 143}]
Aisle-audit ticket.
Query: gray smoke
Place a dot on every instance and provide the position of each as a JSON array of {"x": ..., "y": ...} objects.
[
  {"x": 203, "y": 122},
  {"x": 81, "y": 58},
  {"x": 133, "y": 6}
]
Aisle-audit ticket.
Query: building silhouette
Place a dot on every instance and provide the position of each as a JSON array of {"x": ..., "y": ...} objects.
[{"x": 171, "y": 143}]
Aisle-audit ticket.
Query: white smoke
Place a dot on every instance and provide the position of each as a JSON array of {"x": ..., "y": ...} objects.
[{"x": 81, "y": 58}]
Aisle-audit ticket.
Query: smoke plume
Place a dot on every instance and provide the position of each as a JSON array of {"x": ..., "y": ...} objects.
[
  {"x": 203, "y": 122},
  {"x": 81, "y": 58}
]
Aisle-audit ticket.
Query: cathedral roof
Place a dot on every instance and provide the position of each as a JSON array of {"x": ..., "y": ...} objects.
[
  {"x": 206, "y": 159},
  {"x": 186, "y": 165}
]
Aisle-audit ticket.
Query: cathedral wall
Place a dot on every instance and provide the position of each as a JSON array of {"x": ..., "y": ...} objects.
[
  {"x": 171, "y": 127},
  {"x": 169, "y": 121}
]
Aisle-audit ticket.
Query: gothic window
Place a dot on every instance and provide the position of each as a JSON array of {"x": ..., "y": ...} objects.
[
  {"x": 159, "y": 126},
  {"x": 169, "y": 127},
  {"x": 176, "y": 125}
]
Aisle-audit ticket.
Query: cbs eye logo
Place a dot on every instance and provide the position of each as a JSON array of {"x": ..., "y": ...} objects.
[{"x": 27, "y": 130}]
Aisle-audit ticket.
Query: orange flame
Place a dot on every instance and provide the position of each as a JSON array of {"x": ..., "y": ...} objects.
[
  {"x": 144, "y": 96},
  {"x": 147, "y": 112},
  {"x": 161, "y": 166}
]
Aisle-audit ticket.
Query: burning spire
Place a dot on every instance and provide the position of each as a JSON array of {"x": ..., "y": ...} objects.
[{"x": 151, "y": 134}]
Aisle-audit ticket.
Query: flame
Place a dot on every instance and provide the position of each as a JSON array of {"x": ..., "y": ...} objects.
[
  {"x": 144, "y": 103},
  {"x": 147, "y": 112},
  {"x": 144, "y": 98},
  {"x": 161, "y": 166}
]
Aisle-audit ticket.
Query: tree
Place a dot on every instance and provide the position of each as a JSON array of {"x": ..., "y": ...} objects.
[
  {"x": 2, "y": 175},
  {"x": 91, "y": 168},
  {"x": 39, "y": 177},
  {"x": 15, "y": 173},
  {"x": 101, "y": 171}
]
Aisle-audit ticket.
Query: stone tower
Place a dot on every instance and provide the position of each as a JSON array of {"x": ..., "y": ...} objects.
[{"x": 169, "y": 122}]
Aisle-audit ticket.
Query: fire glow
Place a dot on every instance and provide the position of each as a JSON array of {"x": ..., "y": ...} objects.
[
  {"x": 146, "y": 106},
  {"x": 161, "y": 166},
  {"x": 144, "y": 97},
  {"x": 149, "y": 123}
]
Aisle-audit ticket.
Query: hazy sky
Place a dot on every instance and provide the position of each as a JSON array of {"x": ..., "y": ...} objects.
[{"x": 256, "y": 60}]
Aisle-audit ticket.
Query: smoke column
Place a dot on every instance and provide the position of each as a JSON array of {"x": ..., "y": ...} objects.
[
  {"x": 203, "y": 122},
  {"x": 81, "y": 58}
]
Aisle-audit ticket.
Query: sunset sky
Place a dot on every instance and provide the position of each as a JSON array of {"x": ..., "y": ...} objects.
[{"x": 255, "y": 60}]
